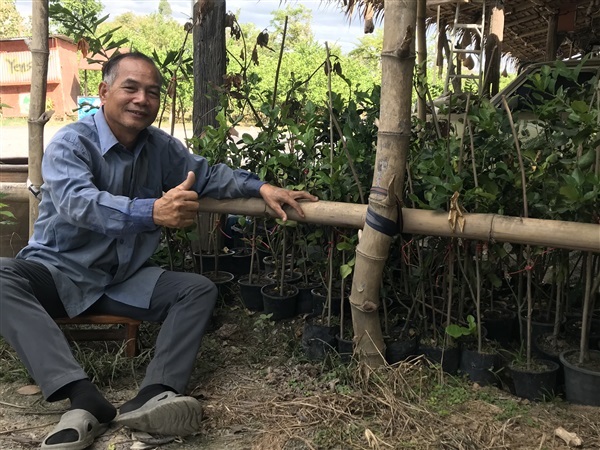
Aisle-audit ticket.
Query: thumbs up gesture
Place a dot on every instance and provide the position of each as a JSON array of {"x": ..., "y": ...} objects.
[{"x": 178, "y": 207}]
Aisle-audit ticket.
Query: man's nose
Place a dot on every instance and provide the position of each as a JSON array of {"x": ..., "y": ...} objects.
[{"x": 141, "y": 97}]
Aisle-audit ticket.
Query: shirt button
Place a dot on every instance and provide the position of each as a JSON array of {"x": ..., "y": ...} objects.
[{"x": 121, "y": 241}]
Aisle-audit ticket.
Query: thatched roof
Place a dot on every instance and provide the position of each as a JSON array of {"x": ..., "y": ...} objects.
[{"x": 526, "y": 22}]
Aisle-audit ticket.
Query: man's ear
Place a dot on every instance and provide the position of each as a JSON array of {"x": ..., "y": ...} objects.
[{"x": 102, "y": 90}]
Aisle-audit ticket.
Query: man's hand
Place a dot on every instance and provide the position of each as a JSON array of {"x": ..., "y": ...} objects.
[
  {"x": 276, "y": 197},
  {"x": 178, "y": 207}
]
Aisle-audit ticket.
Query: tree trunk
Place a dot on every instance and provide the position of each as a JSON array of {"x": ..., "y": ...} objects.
[
  {"x": 209, "y": 70},
  {"x": 493, "y": 51},
  {"x": 422, "y": 55},
  {"x": 37, "y": 103},
  {"x": 209, "y": 61},
  {"x": 398, "y": 61}
]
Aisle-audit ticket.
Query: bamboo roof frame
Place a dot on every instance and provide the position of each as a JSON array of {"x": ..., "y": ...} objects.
[{"x": 579, "y": 22}]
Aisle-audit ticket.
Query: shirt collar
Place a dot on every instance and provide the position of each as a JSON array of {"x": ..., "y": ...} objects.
[{"x": 107, "y": 138}]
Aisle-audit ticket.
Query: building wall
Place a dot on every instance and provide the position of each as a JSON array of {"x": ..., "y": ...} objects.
[{"x": 15, "y": 77}]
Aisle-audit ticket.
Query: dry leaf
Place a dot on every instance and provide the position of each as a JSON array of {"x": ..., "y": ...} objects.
[
  {"x": 30, "y": 389},
  {"x": 455, "y": 215}
]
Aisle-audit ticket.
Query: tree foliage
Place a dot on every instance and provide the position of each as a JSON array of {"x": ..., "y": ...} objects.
[
  {"x": 81, "y": 10},
  {"x": 11, "y": 22},
  {"x": 298, "y": 30},
  {"x": 164, "y": 8}
]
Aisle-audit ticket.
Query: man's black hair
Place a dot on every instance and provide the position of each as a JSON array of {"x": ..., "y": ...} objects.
[{"x": 109, "y": 69}]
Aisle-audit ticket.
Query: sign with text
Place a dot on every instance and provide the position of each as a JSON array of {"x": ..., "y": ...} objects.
[{"x": 15, "y": 67}]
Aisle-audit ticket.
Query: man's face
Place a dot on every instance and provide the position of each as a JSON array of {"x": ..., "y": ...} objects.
[{"x": 132, "y": 100}]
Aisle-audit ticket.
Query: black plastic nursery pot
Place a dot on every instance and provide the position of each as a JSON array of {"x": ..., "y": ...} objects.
[
  {"x": 499, "y": 324},
  {"x": 304, "y": 304},
  {"x": 280, "y": 306},
  {"x": 479, "y": 367},
  {"x": 251, "y": 294},
  {"x": 537, "y": 383},
  {"x": 582, "y": 384},
  {"x": 206, "y": 261},
  {"x": 400, "y": 349},
  {"x": 238, "y": 263},
  {"x": 223, "y": 280},
  {"x": 345, "y": 348},
  {"x": 318, "y": 339},
  {"x": 448, "y": 357}
]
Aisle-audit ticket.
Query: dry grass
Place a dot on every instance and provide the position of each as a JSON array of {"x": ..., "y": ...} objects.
[{"x": 260, "y": 392}]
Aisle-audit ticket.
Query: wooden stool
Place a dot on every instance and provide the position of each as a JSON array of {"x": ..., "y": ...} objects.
[{"x": 128, "y": 333}]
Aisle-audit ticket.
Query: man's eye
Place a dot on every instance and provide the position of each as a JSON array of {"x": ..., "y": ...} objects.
[
  {"x": 154, "y": 94},
  {"x": 129, "y": 89}
]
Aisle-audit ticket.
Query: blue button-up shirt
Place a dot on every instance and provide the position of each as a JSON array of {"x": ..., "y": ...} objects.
[{"x": 94, "y": 230}]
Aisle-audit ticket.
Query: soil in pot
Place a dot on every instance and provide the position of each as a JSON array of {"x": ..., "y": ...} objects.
[
  {"x": 289, "y": 277},
  {"x": 573, "y": 331},
  {"x": 537, "y": 382},
  {"x": 318, "y": 338},
  {"x": 280, "y": 306},
  {"x": 582, "y": 381}
]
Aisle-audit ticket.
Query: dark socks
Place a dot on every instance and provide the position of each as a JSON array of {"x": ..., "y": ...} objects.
[
  {"x": 83, "y": 395},
  {"x": 143, "y": 396}
]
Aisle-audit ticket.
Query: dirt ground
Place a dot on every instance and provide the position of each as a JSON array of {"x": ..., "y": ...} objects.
[{"x": 260, "y": 392}]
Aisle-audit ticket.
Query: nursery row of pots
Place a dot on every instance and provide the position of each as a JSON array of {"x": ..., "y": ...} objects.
[{"x": 547, "y": 375}]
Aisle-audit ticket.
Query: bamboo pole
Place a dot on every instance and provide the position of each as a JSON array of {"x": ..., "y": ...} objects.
[
  {"x": 484, "y": 227},
  {"x": 37, "y": 104}
]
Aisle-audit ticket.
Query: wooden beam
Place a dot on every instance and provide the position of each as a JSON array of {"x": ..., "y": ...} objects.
[
  {"x": 483, "y": 227},
  {"x": 434, "y": 3},
  {"x": 523, "y": 19},
  {"x": 533, "y": 32}
]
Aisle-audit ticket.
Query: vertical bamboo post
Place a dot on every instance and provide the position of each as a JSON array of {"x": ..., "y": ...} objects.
[
  {"x": 37, "y": 103},
  {"x": 393, "y": 139}
]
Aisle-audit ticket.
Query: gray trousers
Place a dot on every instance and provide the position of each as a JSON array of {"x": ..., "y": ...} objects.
[{"x": 183, "y": 302}]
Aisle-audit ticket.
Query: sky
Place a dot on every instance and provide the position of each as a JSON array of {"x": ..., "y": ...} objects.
[{"x": 328, "y": 21}]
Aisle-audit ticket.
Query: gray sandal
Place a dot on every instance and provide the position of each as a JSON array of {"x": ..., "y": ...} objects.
[
  {"x": 84, "y": 423},
  {"x": 167, "y": 413}
]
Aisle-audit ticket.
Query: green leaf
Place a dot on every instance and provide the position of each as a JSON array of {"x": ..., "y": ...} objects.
[
  {"x": 570, "y": 192},
  {"x": 345, "y": 270},
  {"x": 587, "y": 159},
  {"x": 579, "y": 106}
]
